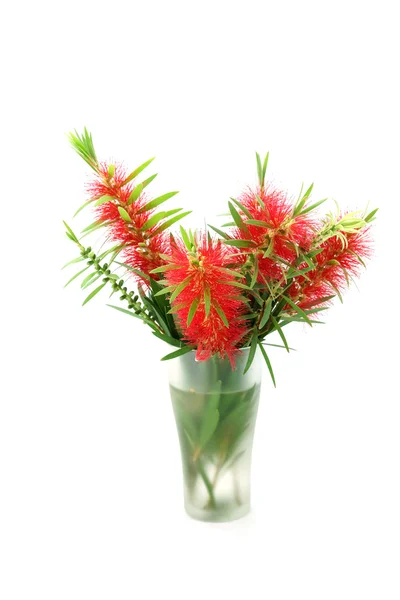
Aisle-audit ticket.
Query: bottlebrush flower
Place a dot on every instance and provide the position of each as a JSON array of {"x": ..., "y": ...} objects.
[
  {"x": 335, "y": 265},
  {"x": 267, "y": 219},
  {"x": 205, "y": 296},
  {"x": 130, "y": 218}
]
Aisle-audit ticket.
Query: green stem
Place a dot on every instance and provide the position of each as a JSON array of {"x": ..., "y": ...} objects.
[{"x": 211, "y": 503}]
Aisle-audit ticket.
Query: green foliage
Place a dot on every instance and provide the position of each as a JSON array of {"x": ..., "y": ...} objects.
[{"x": 83, "y": 145}]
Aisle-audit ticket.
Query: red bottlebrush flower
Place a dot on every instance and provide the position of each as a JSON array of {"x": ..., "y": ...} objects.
[
  {"x": 206, "y": 301},
  {"x": 282, "y": 231},
  {"x": 109, "y": 182},
  {"x": 143, "y": 246},
  {"x": 334, "y": 266}
]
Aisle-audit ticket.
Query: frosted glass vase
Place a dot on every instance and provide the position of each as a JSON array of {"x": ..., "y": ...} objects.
[{"x": 215, "y": 411}]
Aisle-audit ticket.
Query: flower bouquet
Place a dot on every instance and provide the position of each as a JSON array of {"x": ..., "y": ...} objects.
[{"x": 215, "y": 300}]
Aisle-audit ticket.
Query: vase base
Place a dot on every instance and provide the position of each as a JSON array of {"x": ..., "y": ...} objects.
[{"x": 223, "y": 514}]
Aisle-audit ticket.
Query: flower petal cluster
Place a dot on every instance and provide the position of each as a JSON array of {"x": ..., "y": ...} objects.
[
  {"x": 128, "y": 221},
  {"x": 336, "y": 263},
  {"x": 206, "y": 296}
]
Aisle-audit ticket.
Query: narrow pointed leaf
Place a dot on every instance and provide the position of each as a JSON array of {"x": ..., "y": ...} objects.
[
  {"x": 157, "y": 201},
  {"x": 220, "y": 313},
  {"x": 266, "y": 314},
  {"x": 242, "y": 208},
  {"x": 135, "y": 193},
  {"x": 312, "y": 206},
  {"x": 92, "y": 294},
  {"x": 177, "y": 353},
  {"x": 192, "y": 310},
  {"x": 170, "y": 222},
  {"x": 103, "y": 200},
  {"x": 252, "y": 351},
  {"x": 124, "y": 214},
  {"x": 280, "y": 332},
  {"x": 240, "y": 243},
  {"x": 84, "y": 205},
  {"x": 258, "y": 223},
  {"x": 138, "y": 170},
  {"x": 224, "y": 235},
  {"x": 207, "y": 301},
  {"x": 76, "y": 275},
  {"x": 73, "y": 236},
  {"x": 236, "y": 217},
  {"x": 296, "y": 308},
  {"x": 266, "y": 358}
]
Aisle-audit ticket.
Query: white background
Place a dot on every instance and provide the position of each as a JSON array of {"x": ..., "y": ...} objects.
[{"x": 90, "y": 480}]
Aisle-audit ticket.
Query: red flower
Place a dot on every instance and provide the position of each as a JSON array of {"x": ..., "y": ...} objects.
[
  {"x": 206, "y": 299},
  {"x": 281, "y": 234},
  {"x": 336, "y": 264},
  {"x": 283, "y": 230},
  {"x": 143, "y": 245}
]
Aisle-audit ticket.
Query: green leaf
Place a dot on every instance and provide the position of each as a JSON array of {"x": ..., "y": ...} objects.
[
  {"x": 179, "y": 288},
  {"x": 280, "y": 332},
  {"x": 207, "y": 300},
  {"x": 138, "y": 170},
  {"x": 260, "y": 202},
  {"x": 76, "y": 275},
  {"x": 266, "y": 313},
  {"x": 235, "y": 284},
  {"x": 265, "y": 355},
  {"x": 370, "y": 216},
  {"x": 83, "y": 145},
  {"x": 73, "y": 236},
  {"x": 136, "y": 316},
  {"x": 185, "y": 238},
  {"x": 312, "y": 207},
  {"x": 259, "y": 169},
  {"x": 136, "y": 271},
  {"x": 94, "y": 226},
  {"x": 167, "y": 268},
  {"x": 154, "y": 219},
  {"x": 166, "y": 290},
  {"x": 297, "y": 309},
  {"x": 255, "y": 273},
  {"x": 270, "y": 248},
  {"x": 253, "y": 348},
  {"x": 157, "y": 201},
  {"x": 258, "y": 223},
  {"x": 278, "y": 346},
  {"x": 264, "y": 169},
  {"x": 192, "y": 310},
  {"x": 89, "y": 277},
  {"x": 83, "y": 206},
  {"x": 236, "y": 217},
  {"x": 299, "y": 205},
  {"x": 224, "y": 235},
  {"x": 167, "y": 339},
  {"x": 242, "y": 208},
  {"x": 220, "y": 313},
  {"x": 211, "y": 417},
  {"x": 135, "y": 193},
  {"x": 318, "y": 301},
  {"x": 147, "y": 181},
  {"x": 74, "y": 260},
  {"x": 104, "y": 199},
  {"x": 230, "y": 272},
  {"x": 170, "y": 222},
  {"x": 240, "y": 243},
  {"x": 124, "y": 214},
  {"x": 92, "y": 294},
  {"x": 177, "y": 353}
]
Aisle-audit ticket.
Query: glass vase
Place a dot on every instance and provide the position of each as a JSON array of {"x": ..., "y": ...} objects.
[{"x": 215, "y": 410}]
